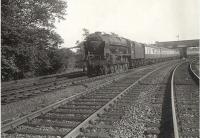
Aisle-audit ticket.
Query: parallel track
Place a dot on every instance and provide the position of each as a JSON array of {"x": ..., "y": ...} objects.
[
  {"x": 44, "y": 84},
  {"x": 65, "y": 118},
  {"x": 31, "y": 91},
  {"x": 185, "y": 102},
  {"x": 56, "y": 82}
]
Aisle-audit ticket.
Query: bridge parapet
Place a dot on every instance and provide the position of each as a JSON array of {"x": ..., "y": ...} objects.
[{"x": 185, "y": 46}]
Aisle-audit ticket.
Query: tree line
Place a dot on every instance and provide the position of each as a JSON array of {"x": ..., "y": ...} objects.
[{"x": 29, "y": 43}]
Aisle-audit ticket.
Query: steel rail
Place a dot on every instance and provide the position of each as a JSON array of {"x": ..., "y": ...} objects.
[
  {"x": 175, "y": 124},
  {"x": 76, "y": 131},
  {"x": 17, "y": 122},
  {"x": 193, "y": 72}
]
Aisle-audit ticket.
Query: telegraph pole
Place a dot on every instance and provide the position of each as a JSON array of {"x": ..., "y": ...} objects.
[{"x": 177, "y": 37}]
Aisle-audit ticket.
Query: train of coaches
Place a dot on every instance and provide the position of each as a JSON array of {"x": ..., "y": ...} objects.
[{"x": 105, "y": 53}]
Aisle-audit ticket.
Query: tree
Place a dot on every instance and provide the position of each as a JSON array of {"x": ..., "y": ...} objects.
[
  {"x": 65, "y": 58},
  {"x": 28, "y": 35}
]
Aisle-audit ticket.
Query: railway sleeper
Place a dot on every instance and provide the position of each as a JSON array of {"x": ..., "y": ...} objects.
[
  {"x": 121, "y": 85},
  {"x": 66, "y": 118},
  {"x": 133, "y": 92},
  {"x": 112, "y": 90},
  {"x": 63, "y": 111},
  {"x": 98, "y": 97},
  {"x": 87, "y": 104},
  {"x": 36, "y": 91},
  {"x": 80, "y": 107},
  {"x": 10, "y": 99},
  {"x": 105, "y": 94},
  {"x": 50, "y": 124},
  {"x": 31, "y": 94},
  {"x": 93, "y": 100},
  {"x": 40, "y": 132},
  {"x": 45, "y": 90},
  {"x": 132, "y": 96},
  {"x": 109, "y": 92}
]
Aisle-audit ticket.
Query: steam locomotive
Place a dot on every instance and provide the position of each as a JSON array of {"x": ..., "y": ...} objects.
[{"x": 105, "y": 53}]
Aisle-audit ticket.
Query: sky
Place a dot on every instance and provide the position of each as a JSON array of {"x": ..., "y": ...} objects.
[{"x": 143, "y": 21}]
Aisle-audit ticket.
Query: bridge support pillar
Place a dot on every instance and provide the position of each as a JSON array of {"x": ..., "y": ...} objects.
[{"x": 183, "y": 52}]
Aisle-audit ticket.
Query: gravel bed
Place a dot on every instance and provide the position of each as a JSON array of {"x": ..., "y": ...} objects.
[{"x": 142, "y": 112}]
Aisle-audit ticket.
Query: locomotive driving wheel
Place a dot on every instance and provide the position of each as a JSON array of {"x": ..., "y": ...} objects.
[
  {"x": 105, "y": 69},
  {"x": 116, "y": 68},
  {"x": 102, "y": 71},
  {"x": 126, "y": 66},
  {"x": 112, "y": 69},
  {"x": 120, "y": 68}
]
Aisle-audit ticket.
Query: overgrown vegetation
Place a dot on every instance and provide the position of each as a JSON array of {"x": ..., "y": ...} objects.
[{"x": 29, "y": 44}]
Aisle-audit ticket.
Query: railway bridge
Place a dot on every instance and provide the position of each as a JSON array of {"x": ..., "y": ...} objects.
[{"x": 186, "y": 47}]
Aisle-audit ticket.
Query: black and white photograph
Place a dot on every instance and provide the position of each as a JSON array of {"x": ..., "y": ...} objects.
[{"x": 100, "y": 68}]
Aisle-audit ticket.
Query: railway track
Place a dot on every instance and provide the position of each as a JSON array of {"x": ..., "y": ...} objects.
[
  {"x": 47, "y": 84},
  {"x": 185, "y": 95},
  {"x": 19, "y": 84},
  {"x": 14, "y": 95},
  {"x": 144, "y": 111},
  {"x": 67, "y": 117},
  {"x": 13, "y": 92}
]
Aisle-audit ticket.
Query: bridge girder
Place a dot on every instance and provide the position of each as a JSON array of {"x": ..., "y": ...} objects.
[{"x": 181, "y": 45}]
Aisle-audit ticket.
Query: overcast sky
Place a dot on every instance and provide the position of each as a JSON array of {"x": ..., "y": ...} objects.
[{"x": 139, "y": 20}]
